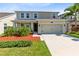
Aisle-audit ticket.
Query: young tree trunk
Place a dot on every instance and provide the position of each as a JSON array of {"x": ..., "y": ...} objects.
[
  {"x": 75, "y": 27},
  {"x": 75, "y": 19}
]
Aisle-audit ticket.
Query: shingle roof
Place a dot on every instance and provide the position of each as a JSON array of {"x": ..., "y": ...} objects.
[
  {"x": 38, "y": 11},
  {"x": 3, "y": 14}
]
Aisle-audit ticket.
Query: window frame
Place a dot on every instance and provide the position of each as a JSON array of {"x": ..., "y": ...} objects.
[
  {"x": 22, "y": 15},
  {"x": 26, "y": 15},
  {"x": 34, "y": 15}
]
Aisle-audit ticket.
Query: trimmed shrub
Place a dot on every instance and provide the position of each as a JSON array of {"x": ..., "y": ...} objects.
[
  {"x": 9, "y": 31},
  {"x": 22, "y": 31},
  {"x": 15, "y": 44},
  {"x": 19, "y": 31}
]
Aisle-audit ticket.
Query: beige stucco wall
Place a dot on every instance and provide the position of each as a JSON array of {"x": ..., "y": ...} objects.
[
  {"x": 7, "y": 20},
  {"x": 47, "y": 15}
]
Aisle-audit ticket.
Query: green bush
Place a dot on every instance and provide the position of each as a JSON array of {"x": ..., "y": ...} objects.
[
  {"x": 15, "y": 44},
  {"x": 19, "y": 31},
  {"x": 9, "y": 31},
  {"x": 74, "y": 35},
  {"x": 22, "y": 31}
]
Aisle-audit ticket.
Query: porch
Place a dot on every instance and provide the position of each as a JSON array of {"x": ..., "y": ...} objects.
[{"x": 27, "y": 23}]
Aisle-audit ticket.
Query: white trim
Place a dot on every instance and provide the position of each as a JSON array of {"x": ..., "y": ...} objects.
[
  {"x": 21, "y": 17},
  {"x": 25, "y": 15}
]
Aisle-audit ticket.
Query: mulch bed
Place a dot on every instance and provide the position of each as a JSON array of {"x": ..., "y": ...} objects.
[{"x": 15, "y": 38}]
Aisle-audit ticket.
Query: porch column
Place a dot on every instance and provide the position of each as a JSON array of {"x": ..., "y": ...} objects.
[
  {"x": 14, "y": 24},
  {"x": 32, "y": 26}
]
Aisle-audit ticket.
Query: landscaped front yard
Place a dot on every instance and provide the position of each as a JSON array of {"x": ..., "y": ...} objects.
[
  {"x": 20, "y": 42},
  {"x": 38, "y": 48}
]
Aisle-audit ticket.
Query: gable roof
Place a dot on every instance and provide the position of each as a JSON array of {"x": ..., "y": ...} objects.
[{"x": 3, "y": 14}]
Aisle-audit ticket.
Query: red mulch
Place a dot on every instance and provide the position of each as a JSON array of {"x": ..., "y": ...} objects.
[{"x": 15, "y": 38}]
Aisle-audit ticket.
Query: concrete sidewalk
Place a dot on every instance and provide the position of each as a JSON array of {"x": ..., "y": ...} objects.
[{"x": 61, "y": 45}]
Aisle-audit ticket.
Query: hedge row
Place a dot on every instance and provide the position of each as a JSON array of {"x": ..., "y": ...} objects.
[
  {"x": 19, "y": 31},
  {"x": 15, "y": 44}
]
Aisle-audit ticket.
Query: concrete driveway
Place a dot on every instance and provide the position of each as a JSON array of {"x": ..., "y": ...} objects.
[{"x": 61, "y": 45}]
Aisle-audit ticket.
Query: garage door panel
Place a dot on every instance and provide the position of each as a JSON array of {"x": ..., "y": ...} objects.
[{"x": 49, "y": 28}]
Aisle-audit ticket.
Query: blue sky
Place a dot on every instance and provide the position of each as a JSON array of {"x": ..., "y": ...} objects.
[{"x": 33, "y": 6}]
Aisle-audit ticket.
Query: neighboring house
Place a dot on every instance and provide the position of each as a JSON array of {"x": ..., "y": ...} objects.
[
  {"x": 40, "y": 21},
  {"x": 6, "y": 20}
]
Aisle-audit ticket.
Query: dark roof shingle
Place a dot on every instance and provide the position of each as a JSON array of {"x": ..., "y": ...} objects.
[{"x": 3, "y": 14}]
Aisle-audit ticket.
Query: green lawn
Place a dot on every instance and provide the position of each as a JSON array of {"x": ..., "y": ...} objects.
[
  {"x": 38, "y": 48},
  {"x": 73, "y": 34}
]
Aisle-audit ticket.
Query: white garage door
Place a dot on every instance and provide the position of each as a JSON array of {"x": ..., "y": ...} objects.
[{"x": 49, "y": 28}]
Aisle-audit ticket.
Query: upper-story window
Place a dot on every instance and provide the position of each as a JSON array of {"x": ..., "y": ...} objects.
[
  {"x": 27, "y": 15},
  {"x": 54, "y": 17},
  {"x": 35, "y": 15},
  {"x": 22, "y": 15}
]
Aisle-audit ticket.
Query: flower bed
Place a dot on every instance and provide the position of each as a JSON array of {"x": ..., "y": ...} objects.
[{"x": 15, "y": 38}]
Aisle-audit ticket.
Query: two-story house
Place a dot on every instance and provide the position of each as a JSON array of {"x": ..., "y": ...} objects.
[{"x": 40, "y": 21}]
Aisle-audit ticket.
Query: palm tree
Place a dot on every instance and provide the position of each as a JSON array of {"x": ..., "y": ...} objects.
[{"x": 72, "y": 11}]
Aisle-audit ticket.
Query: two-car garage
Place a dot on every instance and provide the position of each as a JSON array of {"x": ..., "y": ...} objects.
[{"x": 51, "y": 28}]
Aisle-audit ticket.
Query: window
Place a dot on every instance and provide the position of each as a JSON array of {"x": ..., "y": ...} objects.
[
  {"x": 22, "y": 15},
  {"x": 5, "y": 26},
  {"x": 54, "y": 17},
  {"x": 35, "y": 15},
  {"x": 27, "y": 15}
]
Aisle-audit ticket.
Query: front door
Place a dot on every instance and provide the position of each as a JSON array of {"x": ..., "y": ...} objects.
[{"x": 35, "y": 27}]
